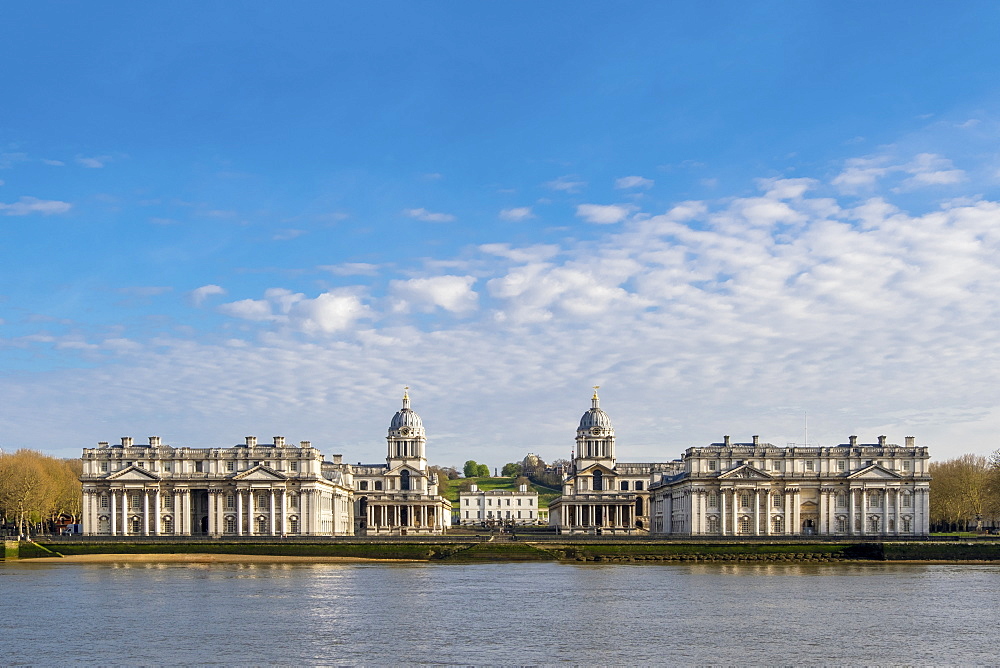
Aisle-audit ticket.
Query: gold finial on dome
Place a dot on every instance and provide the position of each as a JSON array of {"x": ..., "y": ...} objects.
[
  {"x": 406, "y": 396},
  {"x": 595, "y": 401}
]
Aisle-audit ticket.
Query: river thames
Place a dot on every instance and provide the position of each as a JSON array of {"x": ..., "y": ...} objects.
[{"x": 504, "y": 613}]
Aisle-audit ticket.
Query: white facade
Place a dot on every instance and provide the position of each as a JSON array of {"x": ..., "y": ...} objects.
[
  {"x": 157, "y": 490},
  {"x": 498, "y": 506},
  {"x": 757, "y": 489}
]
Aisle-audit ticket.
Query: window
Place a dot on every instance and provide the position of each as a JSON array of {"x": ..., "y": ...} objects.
[
  {"x": 168, "y": 501},
  {"x": 906, "y": 466},
  {"x": 199, "y": 467},
  {"x": 777, "y": 524},
  {"x": 489, "y": 502},
  {"x": 841, "y": 465},
  {"x": 776, "y": 500},
  {"x": 404, "y": 481},
  {"x": 519, "y": 502},
  {"x": 809, "y": 465},
  {"x": 293, "y": 525},
  {"x": 712, "y": 465},
  {"x": 364, "y": 485},
  {"x": 104, "y": 467},
  {"x": 907, "y": 525},
  {"x": 479, "y": 514},
  {"x": 135, "y": 501},
  {"x": 104, "y": 500},
  {"x": 230, "y": 524},
  {"x": 378, "y": 485},
  {"x": 466, "y": 514},
  {"x": 745, "y": 500},
  {"x": 713, "y": 524},
  {"x": 531, "y": 502},
  {"x": 841, "y": 525},
  {"x": 167, "y": 526},
  {"x": 261, "y": 499},
  {"x": 508, "y": 502},
  {"x": 293, "y": 501},
  {"x": 907, "y": 500},
  {"x": 230, "y": 467},
  {"x": 744, "y": 525},
  {"x": 841, "y": 499},
  {"x": 166, "y": 466},
  {"x": 638, "y": 485},
  {"x": 624, "y": 485},
  {"x": 519, "y": 514},
  {"x": 713, "y": 499},
  {"x": 598, "y": 481},
  {"x": 293, "y": 466}
]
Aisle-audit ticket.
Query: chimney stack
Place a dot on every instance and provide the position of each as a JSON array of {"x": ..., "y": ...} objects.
[
  {"x": 251, "y": 441},
  {"x": 756, "y": 440},
  {"x": 881, "y": 441},
  {"x": 279, "y": 441},
  {"x": 854, "y": 441},
  {"x": 910, "y": 441},
  {"x": 126, "y": 441}
]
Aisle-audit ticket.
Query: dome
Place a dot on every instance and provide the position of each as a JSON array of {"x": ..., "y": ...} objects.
[
  {"x": 406, "y": 417},
  {"x": 595, "y": 417}
]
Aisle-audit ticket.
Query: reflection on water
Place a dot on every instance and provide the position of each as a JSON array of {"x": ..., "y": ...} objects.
[{"x": 497, "y": 613}]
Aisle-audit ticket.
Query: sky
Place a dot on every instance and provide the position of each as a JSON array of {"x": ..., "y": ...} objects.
[{"x": 228, "y": 219}]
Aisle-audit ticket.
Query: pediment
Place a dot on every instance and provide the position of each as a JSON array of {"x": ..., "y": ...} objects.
[
  {"x": 260, "y": 473},
  {"x": 593, "y": 468},
  {"x": 874, "y": 472},
  {"x": 133, "y": 474},
  {"x": 745, "y": 472},
  {"x": 405, "y": 467}
]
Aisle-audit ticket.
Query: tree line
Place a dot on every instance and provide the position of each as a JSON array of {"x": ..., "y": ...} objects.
[
  {"x": 965, "y": 493},
  {"x": 36, "y": 490}
]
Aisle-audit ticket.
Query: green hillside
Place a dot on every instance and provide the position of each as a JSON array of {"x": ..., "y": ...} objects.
[{"x": 545, "y": 494}]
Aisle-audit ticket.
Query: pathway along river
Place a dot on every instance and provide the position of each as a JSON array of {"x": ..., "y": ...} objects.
[{"x": 536, "y": 613}]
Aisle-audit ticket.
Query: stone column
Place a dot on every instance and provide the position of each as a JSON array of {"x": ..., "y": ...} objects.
[
  {"x": 250, "y": 512},
  {"x": 284, "y": 512},
  {"x": 157, "y": 513},
  {"x": 145, "y": 512},
  {"x": 124, "y": 512},
  {"x": 272, "y": 524},
  {"x": 114, "y": 511},
  {"x": 899, "y": 510},
  {"x": 851, "y": 507},
  {"x": 736, "y": 512},
  {"x": 797, "y": 510},
  {"x": 885, "y": 511},
  {"x": 756, "y": 512},
  {"x": 722, "y": 511},
  {"x": 239, "y": 512}
]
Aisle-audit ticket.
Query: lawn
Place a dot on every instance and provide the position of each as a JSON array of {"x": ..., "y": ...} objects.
[{"x": 545, "y": 494}]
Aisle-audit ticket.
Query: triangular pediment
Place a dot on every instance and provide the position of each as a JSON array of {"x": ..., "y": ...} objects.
[
  {"x": 744, "y": 472},
  {"x": 260, "y": 473},
  {"x": 874, "y": 472},
  {"x": 405, "y": 467},
  {"x": 593, "y": 468},
  {"x": 133, "y": 474}
]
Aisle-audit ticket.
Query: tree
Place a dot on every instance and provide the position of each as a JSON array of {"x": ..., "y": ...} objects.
[
  {"x": 483, "y": 471},
  {"x": 964, "y": 492},
  {"x": 36, "y": 488},
  {"x": 511, "y": 470},
  {"x": 471, "y": 469}
]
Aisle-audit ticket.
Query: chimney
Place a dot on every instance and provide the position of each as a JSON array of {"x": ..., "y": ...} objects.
[
  {"x": 881, "y": 441},
  {"x": 910, "y": 441},
  {"x": 305, "y": 444},
  {"x": 102, "y": 444},
  {"x": 854, "y": 441},
  {"x": 756, "y": 440},
  {"x": 279, "y": 441},
  {"x": 725, "y": 440},
  {"x": 126, "y": 441},
  {"x": 154, "y": 441},
  {"x": 251, "y": 441},
  {"x": 338, "y": 459}
]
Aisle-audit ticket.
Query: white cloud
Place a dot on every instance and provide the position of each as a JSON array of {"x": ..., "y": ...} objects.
[
  {"x": 604, "y": 214},
  {"x": 629, "y": 182},
  {"x": 351, "y": 269},
  {"x": 429, "y": 216},
  {"x": 517, "y": 214},
  {"x": 287, "y": 234},
  {"x": 29, "y": 205},
  {"x": 249, "y": 309},
  {"x": 199, "y": 295},
  {"x": 451, "y": 293},
  {"x": 95, "y": 162},
  {"x": 925, "y": 169},
  {"x": 569, "y": 184},
  {"x": 329, "y": 313}
]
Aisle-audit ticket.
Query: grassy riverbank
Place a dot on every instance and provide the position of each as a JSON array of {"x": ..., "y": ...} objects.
[{"x": 577, "y": 550}]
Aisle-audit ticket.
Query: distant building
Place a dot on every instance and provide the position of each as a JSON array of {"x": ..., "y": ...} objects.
[
  {"x": 744, "y": 489},
  {"x": 243, "y": 490},
  {"x": 252, "y": 489},
  {"x": 498, "y": 506},
  {"x": 757, "y": 489}
]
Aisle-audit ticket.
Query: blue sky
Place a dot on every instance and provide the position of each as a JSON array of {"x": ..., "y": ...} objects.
[{"x": 221, "y": 220}]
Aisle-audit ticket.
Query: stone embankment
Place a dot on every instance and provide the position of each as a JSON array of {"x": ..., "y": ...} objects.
[{"x": 488, "y": 549}]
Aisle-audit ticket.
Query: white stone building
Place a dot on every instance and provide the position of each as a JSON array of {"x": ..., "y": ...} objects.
[
  {"x": 600, "y": 494},
  {"x": 245, "y": 490},
  {"x": 757, "y": 489},
  {"x": 401, "y": 496},
  {"x": 498, "y": 506}
]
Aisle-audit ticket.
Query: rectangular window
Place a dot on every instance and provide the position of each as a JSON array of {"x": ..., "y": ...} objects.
[
  {"x": 638, "y": 485},
  {"x": 841, "y": 465},
  {"x": 531, "y": 502},
  {"x": 906, "y": 466},
  {"x": 519, "y": 502},
  {"x": 168, "y": 501},
  {"x": 624, "y": 485},
  {"x": 104, "y": 501},
  {"x": 777, "y": 501},
  {"x": 230, "y": 467},
  {"x": 166, "y": 466},
  {"x": 230, "y": 501},
  {"x": 508, "y": 502},
  {"x": 809, "y": 465},
  {"x": 199, "y": 467},
  {"x": 293, "y": 466},
  {"x": 104, "y": 467},
  {"x": 479, "y": 514},
  {"x": 712, "y": 466}
]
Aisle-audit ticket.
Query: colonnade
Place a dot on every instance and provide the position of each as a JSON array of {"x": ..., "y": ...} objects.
[
  {"x": 597, "y": 515},
  {"x": 382, "y": 517}
]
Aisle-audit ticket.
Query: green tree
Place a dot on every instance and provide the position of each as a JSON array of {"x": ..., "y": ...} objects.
[
  {"x": 471, "y": 469},
  {"x": 483, "y": 471},
  {"x": 511, "y": 470}
]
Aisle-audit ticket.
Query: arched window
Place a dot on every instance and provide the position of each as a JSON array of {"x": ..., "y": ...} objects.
[
  {"x": 230, "y": 524},
  {"x": 638, "y": 507},
  {"x": 404, "y": 481},
  {"x": 777, "y": 524},
  {"x": 713, "y": 524},
  {"x": 745, "y": 525},
  {"x": 598, "y": 481}
]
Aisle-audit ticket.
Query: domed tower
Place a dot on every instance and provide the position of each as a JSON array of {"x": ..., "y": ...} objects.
[
  {"x": 595, "y": 437},
  {"x": 407, "y": 439}
]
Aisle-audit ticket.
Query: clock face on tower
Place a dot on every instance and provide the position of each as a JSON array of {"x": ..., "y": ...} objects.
[
  {"x": 595, "y": 431},
  {"x": 404, "y": 431}
]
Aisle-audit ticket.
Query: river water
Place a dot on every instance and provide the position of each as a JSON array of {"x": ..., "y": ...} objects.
[{"x": 536, "y": 613}]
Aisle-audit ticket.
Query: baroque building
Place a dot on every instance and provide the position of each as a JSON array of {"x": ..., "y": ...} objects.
[
  {"x": 498, "y": 506},
  {"x": 271, "y": 489},
  {"x": 601, "y": 495},
  {"x": 250, "y": 489},
  {"x": 757, "y": 489},
  {"x": 400, "y": 497},
  {"x": 744, "y": 489}
]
